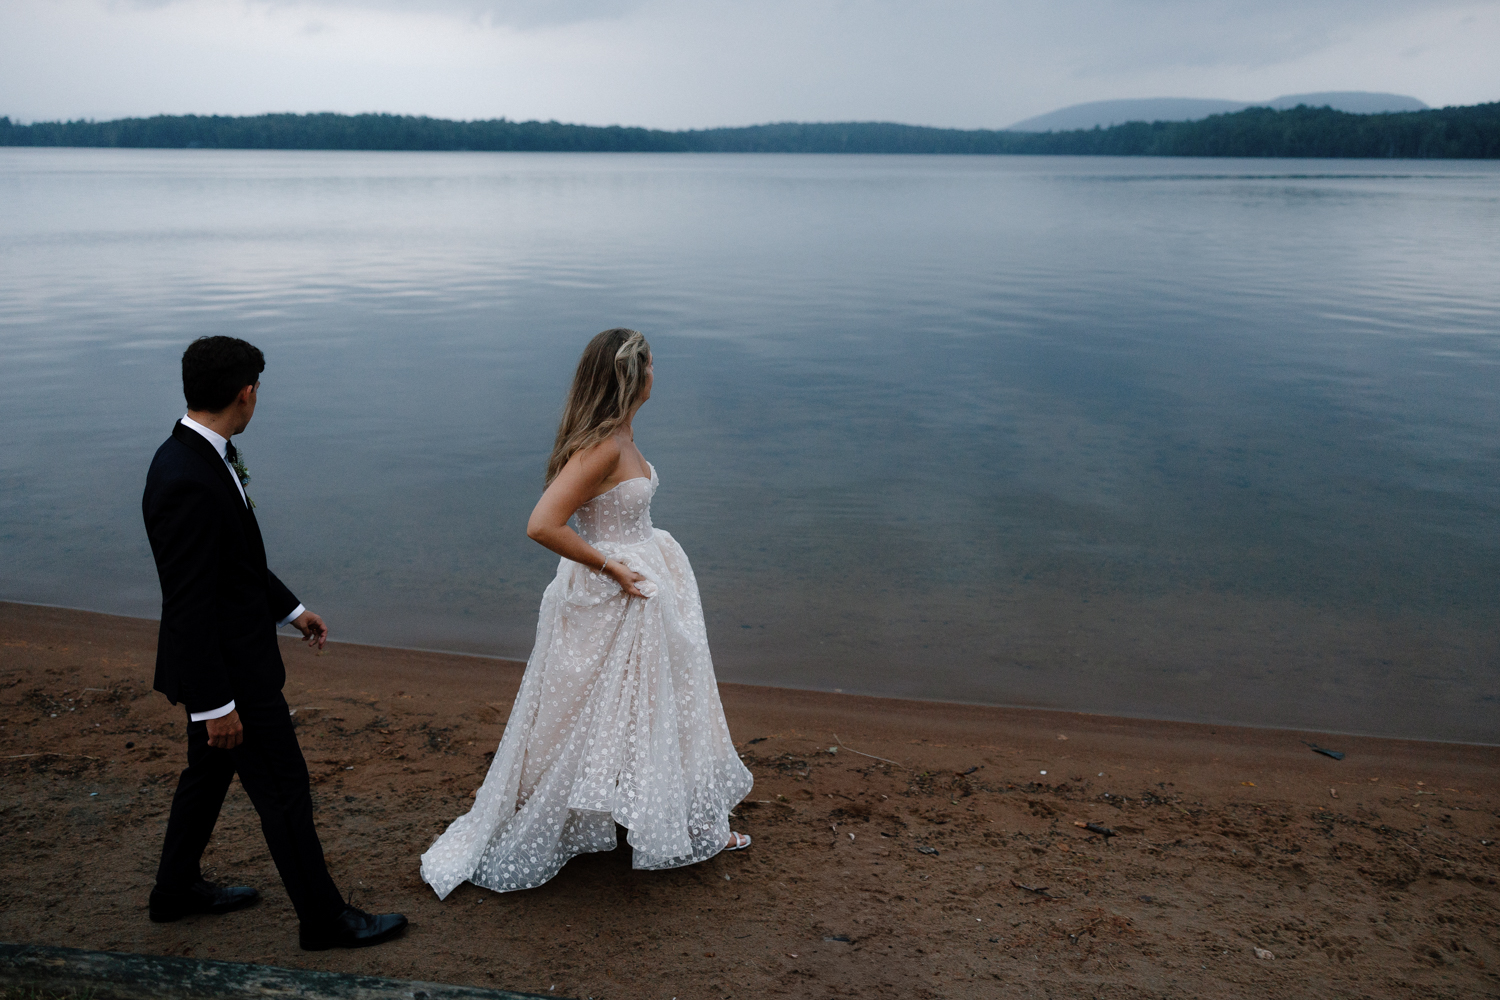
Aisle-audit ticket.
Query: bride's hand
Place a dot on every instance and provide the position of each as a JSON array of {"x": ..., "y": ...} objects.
[{"x": 624, "y": 576}]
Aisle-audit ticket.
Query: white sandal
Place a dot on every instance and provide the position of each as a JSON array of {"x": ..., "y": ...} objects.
[{"x": 741, "y": 841}]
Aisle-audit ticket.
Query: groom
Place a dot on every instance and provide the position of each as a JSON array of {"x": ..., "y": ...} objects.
[{"x": 217, "y": 655}]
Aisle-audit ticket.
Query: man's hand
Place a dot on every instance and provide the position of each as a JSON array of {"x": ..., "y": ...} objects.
[
  {"x": 312, "y": 629},
  {"x": 225, "y": 732}
]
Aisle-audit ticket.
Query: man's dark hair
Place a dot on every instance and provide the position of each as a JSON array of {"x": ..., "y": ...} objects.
[{"x": 215, "y": 369}]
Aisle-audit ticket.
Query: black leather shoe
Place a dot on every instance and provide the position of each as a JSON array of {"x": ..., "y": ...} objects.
[
  {"x": 354, "y": 928},
  {"x": 200, "y": 897}
]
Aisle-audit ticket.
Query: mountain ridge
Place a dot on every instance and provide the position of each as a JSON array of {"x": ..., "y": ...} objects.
[{"x": 1104, "y": 114}]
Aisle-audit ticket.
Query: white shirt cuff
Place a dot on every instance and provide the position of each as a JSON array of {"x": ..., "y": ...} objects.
[
  {"x": 217, "y": 713},
  {"x": 288, "y": 619}
]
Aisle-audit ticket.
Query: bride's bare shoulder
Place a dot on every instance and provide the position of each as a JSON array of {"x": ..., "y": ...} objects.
[
  {"x": 607, "y": 450},
  {"x": 598, "y": 460}
]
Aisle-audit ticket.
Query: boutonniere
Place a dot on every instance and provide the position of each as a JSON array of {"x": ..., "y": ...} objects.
[{"x": 238, "y": 465}]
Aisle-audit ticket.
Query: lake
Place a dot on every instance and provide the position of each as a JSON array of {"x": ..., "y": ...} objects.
[{"x": 1210, "y": 440}]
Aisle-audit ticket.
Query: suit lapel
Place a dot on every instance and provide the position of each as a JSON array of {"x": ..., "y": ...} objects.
[
  {"x": 199, "y": 445},
  {"x": 260, "y": 545}
]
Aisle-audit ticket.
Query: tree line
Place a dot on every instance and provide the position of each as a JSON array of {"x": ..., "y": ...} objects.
[{"x": 1442, "y": 133}]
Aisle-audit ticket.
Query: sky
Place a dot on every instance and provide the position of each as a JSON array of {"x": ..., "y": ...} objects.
[{"x": 705, "y": 63}]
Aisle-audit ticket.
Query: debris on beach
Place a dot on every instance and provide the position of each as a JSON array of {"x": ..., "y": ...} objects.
[
  {"x": 965, "y": 774},
  {"x": 924, "y": 849},
  {"x": 1335, "y": 754},
  {"x": 758, "y": 739},
  {"x": 1334, "y": 792},
  {"x": 883, "y": 760},
  {"x": 1040, "y": 890},
  {"x": 1263, "y": 953},
  {"x": 1098, "y": 828}
]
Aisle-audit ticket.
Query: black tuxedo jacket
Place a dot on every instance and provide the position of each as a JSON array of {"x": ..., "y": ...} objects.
[{"x": 219, "y": 602}]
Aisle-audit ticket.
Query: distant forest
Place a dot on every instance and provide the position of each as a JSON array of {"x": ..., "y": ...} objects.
[{"x": 1443, "y": 133}]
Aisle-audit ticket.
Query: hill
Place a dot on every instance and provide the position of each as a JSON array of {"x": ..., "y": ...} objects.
[{"x": 1103, "y": 114}]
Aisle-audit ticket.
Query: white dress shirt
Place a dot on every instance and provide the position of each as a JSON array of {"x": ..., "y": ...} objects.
[{"x": 221, "y": 445}]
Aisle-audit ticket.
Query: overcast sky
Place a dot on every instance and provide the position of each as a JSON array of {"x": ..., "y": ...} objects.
[{"x": 702, "y": 63}]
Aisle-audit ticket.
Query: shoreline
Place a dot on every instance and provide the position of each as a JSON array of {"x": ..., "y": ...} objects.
[
  {"x": 839, "y": 693},
  {"x": 902, "y": 848}
]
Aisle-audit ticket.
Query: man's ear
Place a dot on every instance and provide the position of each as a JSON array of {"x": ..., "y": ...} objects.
[{"x": 245, "y": 393}]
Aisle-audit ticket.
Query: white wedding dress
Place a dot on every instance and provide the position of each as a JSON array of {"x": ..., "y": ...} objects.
[{"x": 618, "y": 720}]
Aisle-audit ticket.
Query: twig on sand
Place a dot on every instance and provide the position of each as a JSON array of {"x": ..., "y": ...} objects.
[
  {"x": 1335, "y": 754},
  {"x": 17, "y": 756},
  {"x": 1040, "y": 890},
  {"x": 869, "y": 755}
]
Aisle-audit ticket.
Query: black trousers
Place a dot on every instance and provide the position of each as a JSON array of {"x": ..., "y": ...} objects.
[{"x": 274, "y": 775}]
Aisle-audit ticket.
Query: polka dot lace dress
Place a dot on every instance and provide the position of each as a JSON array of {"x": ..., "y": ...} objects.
[{"x": 618, "y": 720}]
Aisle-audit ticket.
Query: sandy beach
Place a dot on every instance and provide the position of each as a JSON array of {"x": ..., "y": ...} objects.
[{"x": 902, "y": 849}]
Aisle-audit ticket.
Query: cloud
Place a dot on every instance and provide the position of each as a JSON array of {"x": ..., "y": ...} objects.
[
  {"x": 1124, "y": 32},
  {"x": 516, "y": 13},
  {"x": 512, "y": 13},
  {"x": 699, "y": 63}
]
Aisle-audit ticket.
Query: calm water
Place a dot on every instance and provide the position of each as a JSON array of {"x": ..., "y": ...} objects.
[{"x": 1190, "y": 439}]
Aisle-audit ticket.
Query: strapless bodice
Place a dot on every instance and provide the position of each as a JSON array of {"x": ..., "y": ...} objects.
[{"x": 621, "y": 516}]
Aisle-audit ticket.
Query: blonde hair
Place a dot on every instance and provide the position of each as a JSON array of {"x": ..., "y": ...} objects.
[{"x": 610, "y": 377}]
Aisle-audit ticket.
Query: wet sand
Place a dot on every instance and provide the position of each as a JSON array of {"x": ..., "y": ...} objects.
[{"x": 905, "y": 876}]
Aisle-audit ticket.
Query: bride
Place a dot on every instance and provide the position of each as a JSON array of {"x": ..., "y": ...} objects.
[{"x": 618, "y": 717}]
